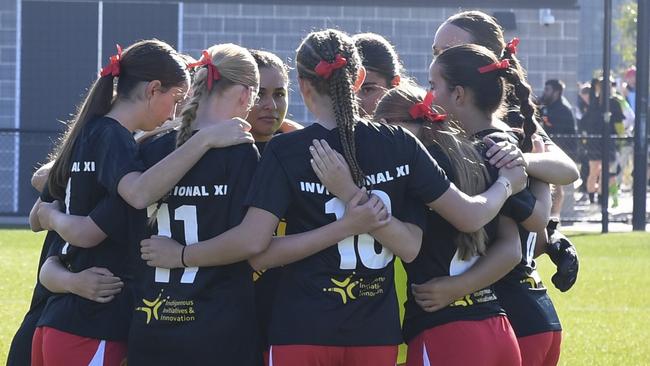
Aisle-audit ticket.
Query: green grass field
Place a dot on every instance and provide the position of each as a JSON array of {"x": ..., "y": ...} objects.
[{"x": 606, "y": 316}]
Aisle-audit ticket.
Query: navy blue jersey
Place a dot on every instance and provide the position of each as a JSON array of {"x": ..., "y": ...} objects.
[
  {"x": 21, "y": 345},
  {"x": 103, "y": 153},
  {"x": 196, "y": 315},
  {"x": 345, "y": 294},
  {"x": 439, "y": 257},
  {"x": 521, "y": 292}
]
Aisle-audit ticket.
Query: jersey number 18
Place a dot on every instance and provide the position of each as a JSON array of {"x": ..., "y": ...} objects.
[{"x": 365, "y": 244}]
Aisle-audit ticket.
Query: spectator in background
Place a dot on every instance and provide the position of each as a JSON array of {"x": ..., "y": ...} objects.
[
  {"x": 593, "y": 124},
  {"x": 629, "y": 86},
  {"x": 558, "y": 120}
]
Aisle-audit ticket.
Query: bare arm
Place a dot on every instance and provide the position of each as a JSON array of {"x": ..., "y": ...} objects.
[
  {"x": 34, "y": 222},
  {"x": 553, "y": 166},
  {"x": 96, "y": 284},
  {"x": 500, "y": 258},
  {"x": 39, "y": 178},
  {"x": 401, "y": 238},
  {"x": 245, "y": 240},
  {"x": 80, "y": 231},
  {"x": 292, "y": 248},
  {"x": 142, "y": 189}
]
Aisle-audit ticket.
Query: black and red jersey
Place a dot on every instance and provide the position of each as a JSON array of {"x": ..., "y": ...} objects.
[
  {"x": 196, "y": 315},
  {"x": 103, "y": 153},
  {"x": 343, "y": 295},
  {"x": 521, "y": 292}
]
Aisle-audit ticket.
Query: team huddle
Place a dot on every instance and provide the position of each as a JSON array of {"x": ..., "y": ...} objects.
[{"x": 225, "y": 234}]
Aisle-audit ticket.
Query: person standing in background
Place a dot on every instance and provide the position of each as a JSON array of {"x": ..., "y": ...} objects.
[{"x": 558, "y": 119}]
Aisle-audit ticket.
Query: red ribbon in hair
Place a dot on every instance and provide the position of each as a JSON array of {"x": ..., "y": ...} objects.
[
  {"x": 213, "y": 72},
  {"x": 424, "y": 110},
  {"x": 113, "y": 67},
  {"x": 501, "y": 65},
  {"x": 325, "y": 69},
  {"x": 512, "y": 46}
]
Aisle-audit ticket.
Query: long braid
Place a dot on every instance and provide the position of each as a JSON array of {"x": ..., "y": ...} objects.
[
  {"x": 526, "y": 107},
  {"x": 343, "y": 101}
]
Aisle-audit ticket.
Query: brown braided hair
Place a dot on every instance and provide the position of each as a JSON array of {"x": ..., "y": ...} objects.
[
  {"x": 325, "y": 45},
  {"x": 236, "y": 66},
  {"x": 469, "y": 171}
]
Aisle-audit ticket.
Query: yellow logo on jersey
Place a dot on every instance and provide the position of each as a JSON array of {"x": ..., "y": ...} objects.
[
  {"x": 464, "y": 301},
  {"x": 344, "y": 288},
  {"x": 151, "y": 307}
]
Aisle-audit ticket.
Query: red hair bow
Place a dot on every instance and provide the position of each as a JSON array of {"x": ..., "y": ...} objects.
[
  {"x": 113, "y": 67},
  {"x": 424, "y": 110},
  {"x": 213, "y": 72},
  {"x": 501, "y": 65},
  {"x": 325, "y": 69},
  {"x": 512, "y": 46}
]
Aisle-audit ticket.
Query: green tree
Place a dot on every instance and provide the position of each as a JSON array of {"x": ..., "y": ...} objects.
[{"x": 626, "y": 26}]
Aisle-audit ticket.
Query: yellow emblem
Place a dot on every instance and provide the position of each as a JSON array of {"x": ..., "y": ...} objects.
[
  {"x": 151, "y": 307},
  {"x": 344, "y": 288}
]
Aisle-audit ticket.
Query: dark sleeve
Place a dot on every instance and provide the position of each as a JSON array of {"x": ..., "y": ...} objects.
[
  {"x": 116, "y": 156},
  {"x": 427, "y": 181},
  {"x": 111, "y": 215},
  {"x": 270, "y": 188},
  {"x": 617, "y": 111},
  {"x": 246, "y": 162},
  {"x": 45, "y": 196},
  {"x": 519, "y": 206}
]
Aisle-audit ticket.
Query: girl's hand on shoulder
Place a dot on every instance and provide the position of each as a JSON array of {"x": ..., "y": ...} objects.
[
  {"x": 96, "y": 284},
  {"x": 45, "y": 213},
  {"x": 161, "y": 251},
  {"x": 436, "y": 293},
  {"x": 231, "y": 132},
  {"x": 366, "y": 217},
  {"x": 332, "y": 170},
  {"x": 504, "y": 153}
]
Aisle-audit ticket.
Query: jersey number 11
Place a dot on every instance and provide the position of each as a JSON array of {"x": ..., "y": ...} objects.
[{"x": 187, "y": 214}]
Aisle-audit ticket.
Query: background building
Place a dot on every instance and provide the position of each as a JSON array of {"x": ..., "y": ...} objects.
[{"x": 51, "y": 51}]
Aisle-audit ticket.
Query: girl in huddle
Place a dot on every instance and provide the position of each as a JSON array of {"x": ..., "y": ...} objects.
[
  {"x": 96, "y": 160},
  {"x": 209, "y": 310},
  {"x": 336, "y": 302},
  {"x": 466, "y": 78},
  {"x": 384, "y": 70},
  {"x": 472, "y": 319}
]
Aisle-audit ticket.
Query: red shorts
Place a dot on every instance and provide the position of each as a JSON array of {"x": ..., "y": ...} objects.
[
  {"x": 52, "y": 347},
  {"x": 541, "y": 349},
  {"x": 489, "y": 342},
  {"x": 308, "y": 355}
]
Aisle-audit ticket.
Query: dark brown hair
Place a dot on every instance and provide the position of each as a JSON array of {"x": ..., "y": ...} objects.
[
  {"x": 324, "y": 46},
  {"x": 378, "y": 55},
  {"x": 459, "y": 67},
  {"x": 470, "y": 173},
  {"x": 143, "y": 61},
  {"x": 271, "y": 60}
]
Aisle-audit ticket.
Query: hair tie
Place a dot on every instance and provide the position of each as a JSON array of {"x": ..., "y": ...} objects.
[
  {"x": 512, "y": 46},
  {"x": 113, "y": 67},
  {"x": 325, "y": 69},
  {"x": 423, "y": 110},
  {"x": 500, "y": 65},
  {"x": 213, "y": 72}
]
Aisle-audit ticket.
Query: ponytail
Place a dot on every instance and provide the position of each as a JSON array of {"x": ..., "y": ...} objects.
[
  {"x": 471, "y": 175},
  {"x": 330, "y": 47},
  {"x": 143, "y": 61}
]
